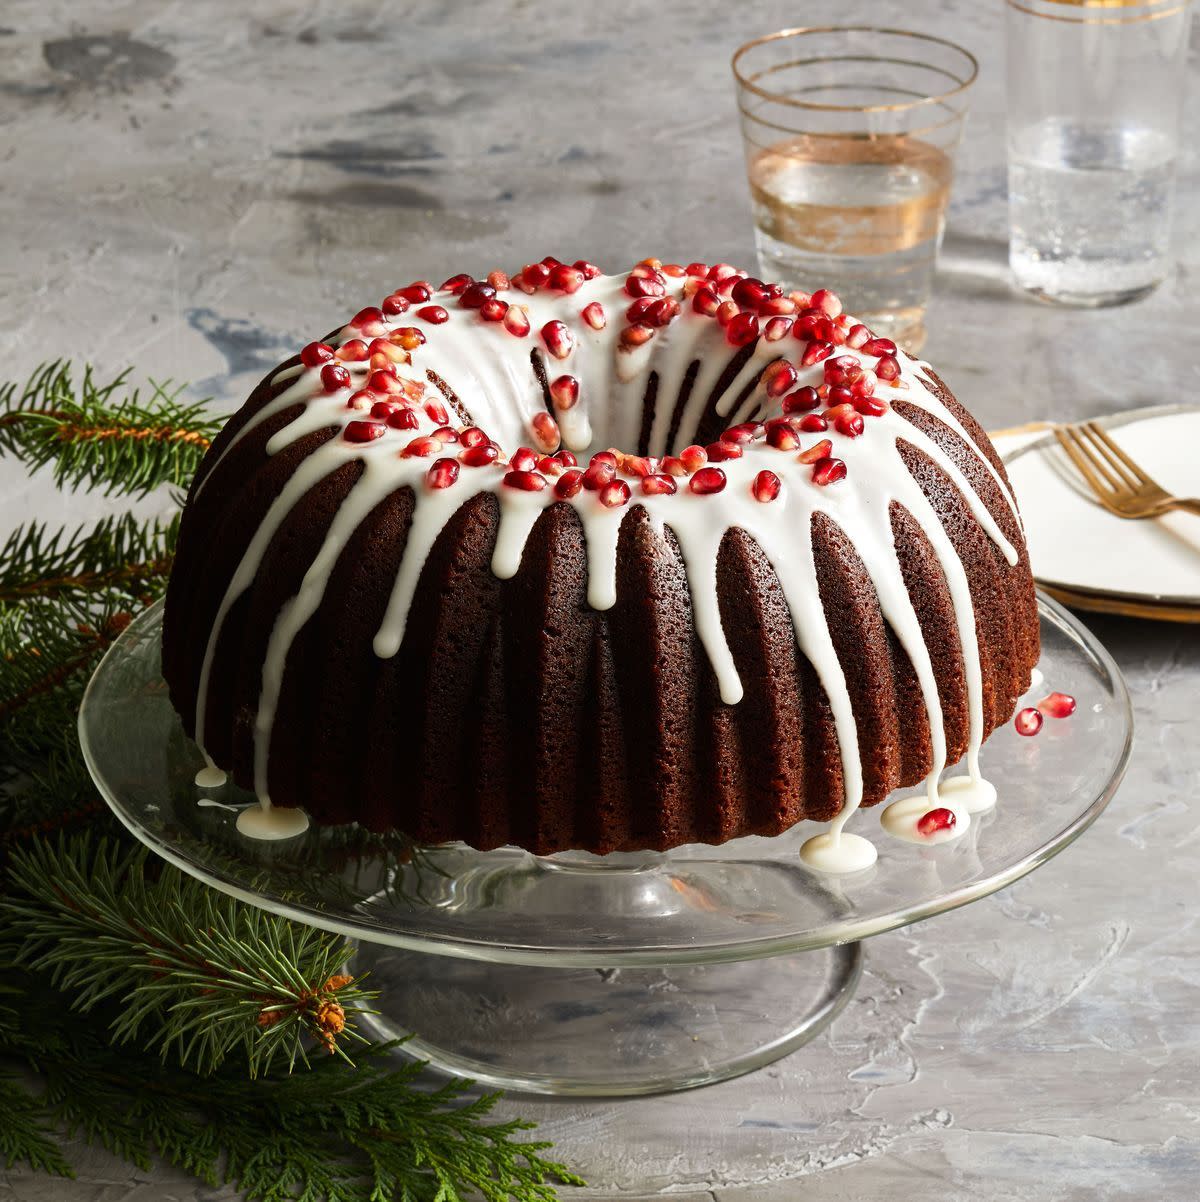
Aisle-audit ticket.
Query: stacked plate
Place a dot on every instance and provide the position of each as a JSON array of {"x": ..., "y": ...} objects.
[{"x": 1090, "y": 559}]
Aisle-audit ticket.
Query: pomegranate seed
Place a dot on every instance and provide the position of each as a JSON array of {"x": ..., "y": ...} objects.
[
  {"x": 858, "y": 336},
  {"x": 742, "y": 330},
  {"x": 812, "y": 423},
  {"x": 706, "y": 301},
  {"x": 673, "y": 270},
  {"x": 409, "y": 337},
  {"x": 826, "y": 301},
  {"x": 551, "y": 261},
  {"x": 316, "y": 353},
  {"x": 609, "y": 457},
  {"x": 566, "y": 458},
  {"x": 437, "y": 412},
  {"x": 765, "y": 486},
  {"x": 838, "y": 395},
  {"x": 707, "y": 480},
  {"x": 1028, "y": 721},
  {"x": 516, "y": 320},
  {"x": 445, "y": 434},
  {"x": 565, "y": 279},
  {"x": 334, "y": 377},
  {"x": 888, "y": 368},
  {"x": 726, "y": 312},
  {"x": 564, "y": 392},
  {"x": 416, "y": 294},
  {"x": 594, "y": 315},
  {"x": 816, "y": 452},
  {"x": 385, "y": 354},
  {"x": 640, "y": 465},
  {"x": 523, "y": 460},
  {"x": 422, "y": 448},
  {"x": 849, "y": 424},
  {"x": 525, "y": 481},
  {"x": 535, "y": 275},
  {"x": 637, "y": 285},
  {"x": 493, "y": 310},
  {"x": 865, "y": 384},
  {"x": 828, "y": 471},
  {"x": 615, "y": 494},
  {"x": 404, "y": 419},
  {"x": 473, "y": 296},
  {"x": 837, "y": 335},
  {"x": 776, "y": 306},
  {"x": 362, "y": 399},
  {"x": 598, "y": 474},
  {"x": 805, "y": 326},
  {"x": 480, "y": 455},
  {"x": 560, "y": 342},
  {"x": 693, "y": 457},
  {"x": 803, "y": 400},
  {"x": 384, "y": 379},
  {"x": 519, "y": 281},
  {"x": 697, "y": 269},
  {"x": 354, "y": 351},
  {"x": 590, "y": 270},
  {"x": 723, "y": 271},
  {"x": 568, "y": 484},
  {"x": 549, "y": 465},
  {"x": 472, "y": 436},
  {"x": 879, "y": 346},
  {"x": 638, "y": 335},
  {"x": 368, "y": 317},
  {"x": 662, "y": 312},
  {"x": 381, "y": 410},
  {"x": 434, "y": 313},
  {"x": 777, "y": 328},
  {"x": 1057, "y": 705},
  {"x": 638, "y": 309},
  {"x": 545, "y": 432},
  {"x": 844, "y": 369},
  {"x": 674, "y": 466},
  {"x": 940, "y": 819},
  {"x": 443, "y": 473},
  {"x": 782, "y": 437},
  {"x": 364, "y": 431},
  {"x": 746, "y": 432},
  {"x": 815, "y": 352},
  {"x": 394, "y": 305},
  {"x": 456, "y": 283},
  {"x": 498, "y": 280},
  {"x": 749, "y": 293},
  {"x": 868, "y": 406},
  {"x": 718, "y": 452},
  {"x": 658, "y": 486},
  {"x": 782, "y": 377}
]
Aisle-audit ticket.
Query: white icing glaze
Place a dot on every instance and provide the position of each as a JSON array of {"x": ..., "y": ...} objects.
[
  {"x": 1036, "y": 680},
  {"x": 838, "y": 853},
  {"x": 901, "y": 817},
  {"x": 491, "y": 373},
  {"x": 210, "y": 777},
  {"x": 974, "y": 794},
  {"x": 269, "y": 823}
]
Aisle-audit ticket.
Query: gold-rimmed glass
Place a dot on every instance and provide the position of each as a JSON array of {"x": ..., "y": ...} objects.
[
  {"x": 849, "y": 135},
  {"x": 1095, "y": 98}
]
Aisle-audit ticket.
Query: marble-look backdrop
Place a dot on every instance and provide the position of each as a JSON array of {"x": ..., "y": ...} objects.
[{"x": 196, "y": 188}]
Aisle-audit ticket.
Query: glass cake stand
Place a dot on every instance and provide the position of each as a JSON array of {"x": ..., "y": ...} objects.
[{"x": 622, "y": 974}]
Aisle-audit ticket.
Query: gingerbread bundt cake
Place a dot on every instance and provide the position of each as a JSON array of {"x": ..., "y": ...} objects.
[{"x": 413, "y": 591}]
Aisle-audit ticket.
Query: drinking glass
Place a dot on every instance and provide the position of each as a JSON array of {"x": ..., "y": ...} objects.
[
  {"x": 850, "y": 134},
  {"x": 1095, "y": 91}
]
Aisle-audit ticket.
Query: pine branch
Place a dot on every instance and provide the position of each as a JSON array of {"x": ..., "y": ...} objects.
[
  {"x": 119, "y": 552},
  {"x": 103, "y": 435},
  {"x": 196, "y": 974}
]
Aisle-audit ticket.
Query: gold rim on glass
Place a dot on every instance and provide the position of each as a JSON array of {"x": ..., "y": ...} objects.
[
  {"x": 1153, "y": 13},
  {"x": 748, "y": 81}
]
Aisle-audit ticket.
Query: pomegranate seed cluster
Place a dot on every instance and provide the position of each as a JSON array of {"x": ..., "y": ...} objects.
[{"x": 380, "y": 343}]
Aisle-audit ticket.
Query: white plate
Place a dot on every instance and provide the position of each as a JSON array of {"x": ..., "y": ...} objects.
[{"x": 1078, "y": 547}]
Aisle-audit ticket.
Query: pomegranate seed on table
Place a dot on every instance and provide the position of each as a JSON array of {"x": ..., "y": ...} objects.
[
  {"x": 1057, "y": 705},
  {"x": 1028, "y": 721}
]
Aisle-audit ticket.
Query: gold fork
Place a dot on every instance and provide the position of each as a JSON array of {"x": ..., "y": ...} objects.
[{"x": 1120, "y": 485}]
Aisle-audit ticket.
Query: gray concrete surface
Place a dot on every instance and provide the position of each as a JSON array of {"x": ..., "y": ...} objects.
[{"x": 195, "y": 188}]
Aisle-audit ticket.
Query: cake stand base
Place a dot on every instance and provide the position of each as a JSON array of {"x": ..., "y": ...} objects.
[{"x": 605, "y": 1031}]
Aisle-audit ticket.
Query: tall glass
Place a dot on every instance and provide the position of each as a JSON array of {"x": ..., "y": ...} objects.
[
  {"x": 1095, "y": 92},
  {"x": 850, "y": 134}
]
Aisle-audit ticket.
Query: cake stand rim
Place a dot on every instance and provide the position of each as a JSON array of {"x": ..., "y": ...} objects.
[{"x": 847, "y": 930}]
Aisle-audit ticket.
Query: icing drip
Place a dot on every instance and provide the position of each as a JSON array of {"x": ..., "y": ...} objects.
[
  {"x": 491, "y": 372},
  {"x": 270, "y": 823},
  {"x": 210, "y": 776}
]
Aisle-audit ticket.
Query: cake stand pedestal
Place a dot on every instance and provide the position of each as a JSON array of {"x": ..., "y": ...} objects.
[{"x": 622, "y": 974}]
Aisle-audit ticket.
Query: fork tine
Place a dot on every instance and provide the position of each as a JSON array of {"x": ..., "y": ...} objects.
[
  {"x": 1126, "y": 481},
  {"x": 1099, "y": 432},
  {"x": 1082, "y": 460}
]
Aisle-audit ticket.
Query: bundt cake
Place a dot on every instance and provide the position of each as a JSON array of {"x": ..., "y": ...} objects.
[{"x": 413, "y": 591}]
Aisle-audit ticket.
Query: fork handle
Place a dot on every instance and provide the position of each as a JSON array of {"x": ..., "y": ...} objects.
[{"x": 1187, "y": 504}]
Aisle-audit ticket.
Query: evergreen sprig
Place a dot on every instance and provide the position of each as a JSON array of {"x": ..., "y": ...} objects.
[{"x": 103, "y": 435}]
